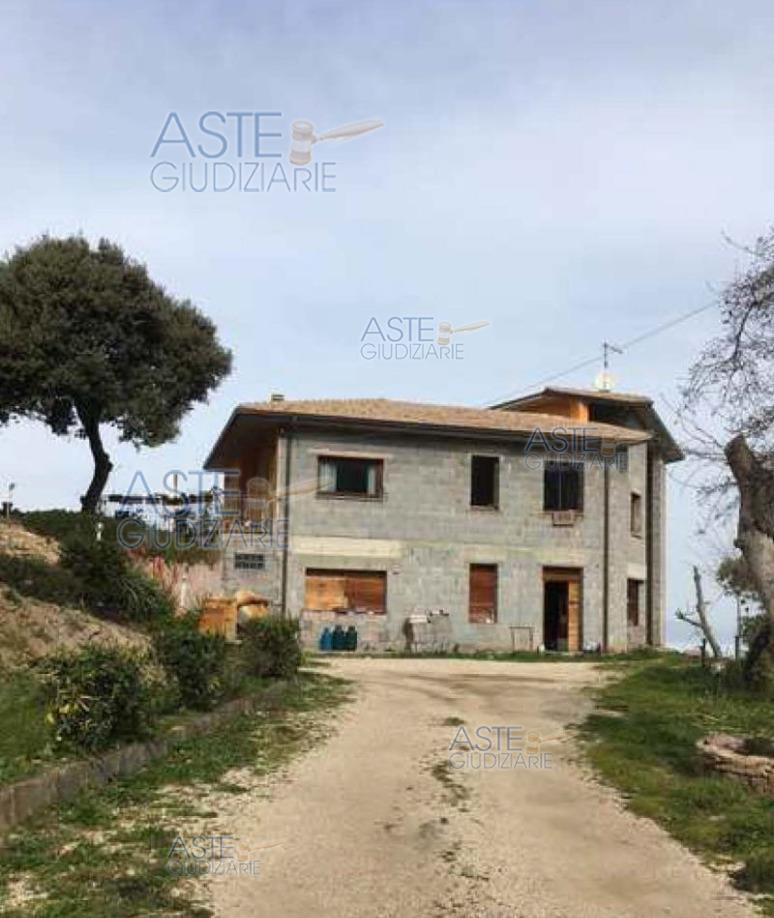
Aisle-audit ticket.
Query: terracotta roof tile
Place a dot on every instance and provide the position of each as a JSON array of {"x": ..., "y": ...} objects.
[
  {"x": 388, "y": 411},
  {"x": 596, "y": 395}
]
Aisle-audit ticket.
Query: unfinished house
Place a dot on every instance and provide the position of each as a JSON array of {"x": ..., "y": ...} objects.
[{"x": 539, "y": 522}]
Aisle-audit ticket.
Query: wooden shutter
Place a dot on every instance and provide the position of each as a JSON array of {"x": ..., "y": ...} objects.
[
  {"x": 351, "y": 591},
  {"x": 325, "y": 591},
  {"x": 365, "y": 591},
  {"x": 483, "y": 593}
]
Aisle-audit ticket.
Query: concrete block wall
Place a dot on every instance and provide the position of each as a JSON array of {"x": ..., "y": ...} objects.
[{"x": 424, "y": 535}]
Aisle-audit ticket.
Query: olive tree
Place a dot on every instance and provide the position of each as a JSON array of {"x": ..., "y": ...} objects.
[
  {"x": 733, "y": 382},
  {"x": 88, "y": 340}
]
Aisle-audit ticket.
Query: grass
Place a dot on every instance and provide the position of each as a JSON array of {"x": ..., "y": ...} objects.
[
  {"x": 642, "y": 741},
  {"x": 37, "y": 579},
  {"x": 25, "y": 741},
  {"x": 456, "y": 794},
  {"x": 105, "y": 854}
]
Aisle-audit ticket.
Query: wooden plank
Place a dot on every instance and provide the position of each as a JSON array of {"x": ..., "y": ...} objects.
[
  {"x": 353, "y": 591},
  {"x": 573, "y": 614},
  {"x": 561, "y": 574},
  {"x": 483, "y": 593},
  {"x": 366, "y": 592}
]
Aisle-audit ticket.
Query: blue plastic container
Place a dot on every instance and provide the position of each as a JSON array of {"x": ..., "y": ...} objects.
[
  {"x": 350, "y": 639},
  {"x": 339, "y": 638},
  {"x": 326, "y": 639}
]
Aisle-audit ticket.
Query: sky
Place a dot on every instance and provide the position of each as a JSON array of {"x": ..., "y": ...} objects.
[{"x": 567, "y": 172}]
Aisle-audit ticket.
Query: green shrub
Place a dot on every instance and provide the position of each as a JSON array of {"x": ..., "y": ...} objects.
[
  {"x": 96, "y": 696},
  {"x": 31, "y": 576},
  {"x": 271, "y": 646},
  {"x": 64, "y": 525},
  {"x": 196, "y": 662},
  {"x": 110, "y": 585}
]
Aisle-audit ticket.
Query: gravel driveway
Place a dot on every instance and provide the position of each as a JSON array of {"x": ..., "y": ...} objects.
[{"x": 383, "y": 821}]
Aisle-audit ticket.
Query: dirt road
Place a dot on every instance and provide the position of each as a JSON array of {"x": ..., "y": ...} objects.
[{"x": 384, "y": 820}]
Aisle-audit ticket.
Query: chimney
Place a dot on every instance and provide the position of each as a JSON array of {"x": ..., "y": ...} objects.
[{"x": 276, "y": 397}]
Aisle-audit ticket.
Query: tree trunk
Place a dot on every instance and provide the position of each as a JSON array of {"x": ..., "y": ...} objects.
[
  {"x": 102, "y": 465},
  {"x": 701, "y": 611},
  {"x": 755, "y": 531}
]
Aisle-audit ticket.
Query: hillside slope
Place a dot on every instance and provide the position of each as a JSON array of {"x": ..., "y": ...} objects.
[{"x": 31, "y": 627}]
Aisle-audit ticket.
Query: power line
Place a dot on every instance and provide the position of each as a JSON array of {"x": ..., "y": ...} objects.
[
  {"x": 657, "y": 330},
  {"x": 667, "y": 325}
]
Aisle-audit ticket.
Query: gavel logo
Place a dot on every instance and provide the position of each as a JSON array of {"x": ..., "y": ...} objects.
[
  {"x": 302, "y": 136},
  {"x": 445, "y": 330}
]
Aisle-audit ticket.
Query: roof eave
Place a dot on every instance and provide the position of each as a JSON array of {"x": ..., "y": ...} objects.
[{"x": 328, "y": 420}]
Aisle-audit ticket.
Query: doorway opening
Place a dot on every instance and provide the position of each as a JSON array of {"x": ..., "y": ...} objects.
[{"x": 562, "y": 608}]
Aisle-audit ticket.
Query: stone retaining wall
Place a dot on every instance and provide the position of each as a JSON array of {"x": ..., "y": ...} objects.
[
  {"x": 22, "y": 799},
  {"x": 724, "y": 753}
]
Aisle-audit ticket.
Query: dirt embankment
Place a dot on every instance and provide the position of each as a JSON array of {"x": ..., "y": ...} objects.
[{"x": 31, "y": 628}]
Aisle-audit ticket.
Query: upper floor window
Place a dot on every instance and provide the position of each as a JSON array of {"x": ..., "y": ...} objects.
[
  {"x": 563, "y": 486},
  {"x": 636, "y": 514},
  {"x": 484, "y": 481},
  {"x": 350, "y": 477}
]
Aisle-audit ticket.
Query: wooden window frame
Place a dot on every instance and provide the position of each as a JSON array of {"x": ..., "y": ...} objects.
[{"x": 350, "y": 495}]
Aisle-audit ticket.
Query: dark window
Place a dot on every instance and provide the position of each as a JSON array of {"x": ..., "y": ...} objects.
[
  {"x": 247, "y": 561},
  {"x": 350, "y": 477},
  {"x": 484, "y": 481},
  {"x": 482, "y": 601},
  {"x": 345, "y": 591},
  {"x": 633, "y": 590},
  {"x": 636, "y": 514},
  {"x": 563, "y": 486}
]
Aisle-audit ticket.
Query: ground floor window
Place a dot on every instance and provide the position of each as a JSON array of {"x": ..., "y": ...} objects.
[
  {"x": 248, "y": 561},
  {"x": 482, "y": 602},
  {"x": 345, "y": 591},
  {"x": 633, "y": 598}
]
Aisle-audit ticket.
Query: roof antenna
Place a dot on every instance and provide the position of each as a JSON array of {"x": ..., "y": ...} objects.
[{"x": 604, "y": 380}]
